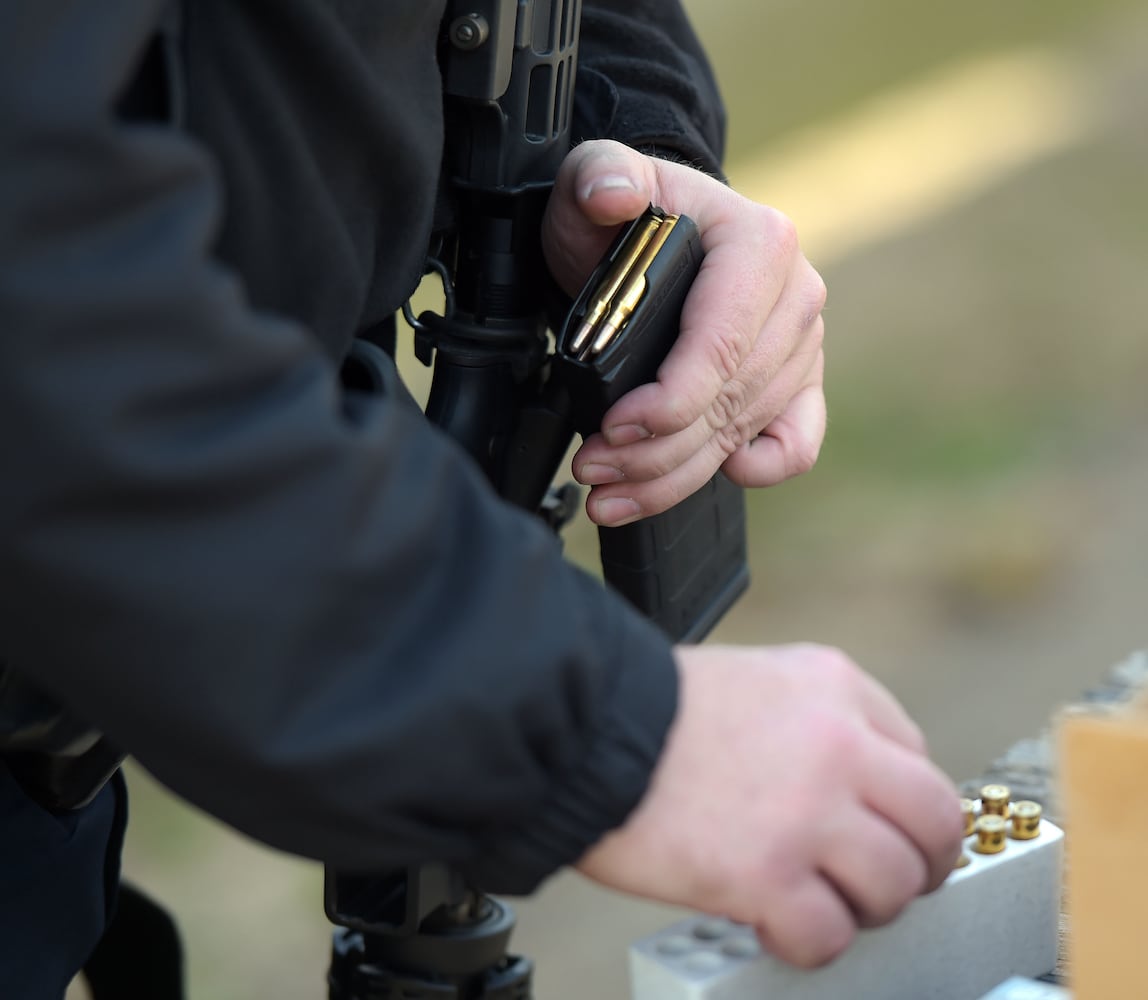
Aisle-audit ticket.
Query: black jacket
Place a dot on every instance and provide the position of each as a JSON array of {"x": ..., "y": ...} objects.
[{"x": 304, "y": 611}]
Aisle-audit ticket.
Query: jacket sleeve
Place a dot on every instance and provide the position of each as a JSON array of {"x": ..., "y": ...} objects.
[
  {"x": 303, "y": 611},
  {"x": 643, "y": 78}
]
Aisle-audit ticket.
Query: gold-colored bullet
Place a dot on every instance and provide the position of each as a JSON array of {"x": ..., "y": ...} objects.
[
  {"x": 969, "y": 812},
  {"x": 613, "y": 280},
  {"x": 962, "y": 861},
  {"x": 632, "y": 289},
  {"x": 1025, "y": 820},
  {"x": 994, "y": 800},
  {"x": 991, "y": 831}
]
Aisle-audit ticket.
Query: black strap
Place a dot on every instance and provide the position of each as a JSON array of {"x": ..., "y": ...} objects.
[{"x": 140, "y": 956}]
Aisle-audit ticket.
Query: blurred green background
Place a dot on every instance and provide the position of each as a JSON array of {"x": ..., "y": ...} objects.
[{"x": 970, "y": 179}]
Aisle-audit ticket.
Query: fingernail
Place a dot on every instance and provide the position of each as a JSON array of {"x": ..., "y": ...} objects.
[
  {"x": 593, "y": 474},
  {"x": 608, "y": 182},
  {"x": 624, "y": 434},
  {"x": 616, "y": 510}
]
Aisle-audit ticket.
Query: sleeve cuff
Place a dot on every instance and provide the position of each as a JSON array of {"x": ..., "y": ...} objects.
[{"x": 605, "y": 784}]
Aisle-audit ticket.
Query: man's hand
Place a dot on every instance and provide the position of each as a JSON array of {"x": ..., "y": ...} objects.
[
  {"x": 793, "y": 795},
  {"x": 742, "y": 388}
]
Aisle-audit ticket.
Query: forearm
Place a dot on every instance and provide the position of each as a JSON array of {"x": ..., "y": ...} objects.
[{"x": 305, "y": 612}]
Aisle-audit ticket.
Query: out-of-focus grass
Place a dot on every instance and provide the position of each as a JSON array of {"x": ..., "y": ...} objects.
[
  {"x": 1003, "y": 338},
  {"x": 1008, "y": 335},
  {"x": 786, "y": 63}
]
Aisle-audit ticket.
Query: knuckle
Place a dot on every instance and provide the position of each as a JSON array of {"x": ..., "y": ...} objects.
[
  {"x": 834, "y": 744},
  {"x": 729, "y": 418},
  {"x": 730, "y": 438},
  {"x": 779, "y": 229},
  {"x": 814, "y": 294},
  {"x": 725, "y": 407},
  {"x": 726, "y": 442},
  {"x": 832, "y": 665},
  {"x": 838, "y": 739},
  {"x": 726, "y": 353}
]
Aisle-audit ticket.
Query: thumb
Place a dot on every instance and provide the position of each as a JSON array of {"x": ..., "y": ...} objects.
[
  {"x": 611, "y": 183},
  {"x": 600, "y": 185}
]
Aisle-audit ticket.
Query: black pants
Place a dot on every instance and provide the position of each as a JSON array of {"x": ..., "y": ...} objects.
[{"x": 58, "y": 879}]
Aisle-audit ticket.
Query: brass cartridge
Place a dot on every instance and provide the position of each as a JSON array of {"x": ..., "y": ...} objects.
[
  {"x": 631, "y": 289},
  {"x": 994, "y": 800},
  {"x": 1025, "y": 820},
  {"x": 991, "y": 831},
  {"x": 969, "y": 812},
  {"x": 628, "y": 259}
]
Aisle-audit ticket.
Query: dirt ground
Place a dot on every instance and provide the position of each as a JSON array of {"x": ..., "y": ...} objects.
[{"x": 974, "y": 534}]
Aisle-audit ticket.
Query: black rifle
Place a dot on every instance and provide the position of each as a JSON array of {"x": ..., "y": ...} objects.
[{"x": 514, "y": 404}]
